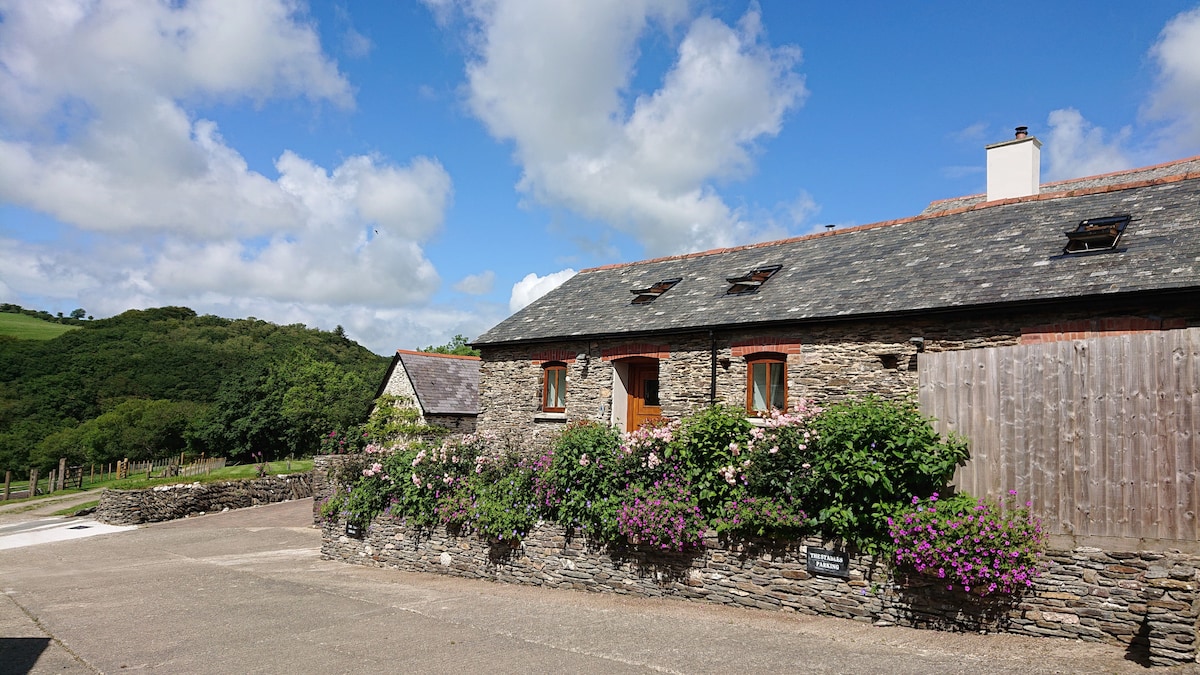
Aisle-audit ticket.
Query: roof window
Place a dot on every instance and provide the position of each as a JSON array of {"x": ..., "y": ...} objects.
[
  {"x": 1096, "y": 234},
  {"x": 643, "y": 296},
  {"x": 749, "y": 283}
]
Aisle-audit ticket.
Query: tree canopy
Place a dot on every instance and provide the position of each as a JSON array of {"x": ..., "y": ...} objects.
[
  {"x": 457, "y": 346},
  {"x": 157, "y": 382}
]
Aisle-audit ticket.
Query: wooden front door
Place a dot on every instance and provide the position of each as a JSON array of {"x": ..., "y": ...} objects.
[{"x": 643, "y": 394}]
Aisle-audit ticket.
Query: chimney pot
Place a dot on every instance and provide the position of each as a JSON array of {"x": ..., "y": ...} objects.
[{"x": 1022, "y": 132}]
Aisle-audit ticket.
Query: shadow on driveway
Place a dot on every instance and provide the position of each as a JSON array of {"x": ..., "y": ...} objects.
[{"x": 17, "y": 655}]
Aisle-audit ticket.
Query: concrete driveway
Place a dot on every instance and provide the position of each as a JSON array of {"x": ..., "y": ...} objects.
[{"x": 246, "y": 592}]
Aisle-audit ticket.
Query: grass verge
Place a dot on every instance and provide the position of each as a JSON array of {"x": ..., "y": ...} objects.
[
  {"x": 72, "y": 510},
  {"x": 140, "y": 481}
]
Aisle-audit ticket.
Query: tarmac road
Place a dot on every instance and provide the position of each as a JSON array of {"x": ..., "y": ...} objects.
[{"x": 247, "y": 592}]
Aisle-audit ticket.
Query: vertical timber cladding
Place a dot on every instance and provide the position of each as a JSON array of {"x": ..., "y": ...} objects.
[{"x": 1101, "y": 434}]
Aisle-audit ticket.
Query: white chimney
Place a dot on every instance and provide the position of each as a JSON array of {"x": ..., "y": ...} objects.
[{"x": 1014, "y": 168}]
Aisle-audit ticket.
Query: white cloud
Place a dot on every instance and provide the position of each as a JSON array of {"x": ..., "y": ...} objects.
[
  {"x": 476, "y": 284},
  {"x": 1176, "y": 97},
  {"x": 97, "y": 132},
  {"x": 973, "y": 133},
  {"x": 549, "y": 76},
  {"x": 1169, "y": 121},
  {"x": 803, "y": 209},
  {"x": 356, "y": 44},
  {"x": 1076, "y": 147},
  {"x": 113, "y": 55},
  {"x": 533, "y": 287}
]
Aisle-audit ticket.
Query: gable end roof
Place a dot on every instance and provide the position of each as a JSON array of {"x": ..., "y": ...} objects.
[{"x": 446, "y": 384}]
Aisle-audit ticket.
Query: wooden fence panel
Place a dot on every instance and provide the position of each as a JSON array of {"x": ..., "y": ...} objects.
[{"x": 1102, "y": 434}]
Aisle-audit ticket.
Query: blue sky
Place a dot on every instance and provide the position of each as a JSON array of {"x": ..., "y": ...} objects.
[{"x": 413, "y": 170}]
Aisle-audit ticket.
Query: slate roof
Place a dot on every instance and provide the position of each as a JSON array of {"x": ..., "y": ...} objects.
[
  {"x": 975, "y": 256},
  {"x": 445, "y": 384}
]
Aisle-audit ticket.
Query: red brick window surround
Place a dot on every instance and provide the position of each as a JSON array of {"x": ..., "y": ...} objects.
[
  {"x": 639, "y": 349},
  {"x": 547, "y": 355},
  {"x": 766, "y": 382},
  {"x": 778, "y": 345}
]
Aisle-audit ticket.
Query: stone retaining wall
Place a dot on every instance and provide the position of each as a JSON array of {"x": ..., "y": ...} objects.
[
  {"x": 168, "y": 502},
  {"x": 1147, "y": 601}
]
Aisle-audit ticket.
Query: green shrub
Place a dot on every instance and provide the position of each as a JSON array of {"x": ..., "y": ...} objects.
[
  {"x": 708, "y": 449},
  {"x": 869, "y": 457},
  {"x": 505, "y": 506},
  {"x": 769, "y": 517},
  {"x": 577, "y": 482},
  {"x": 839, "y": 472},
  {"x": 424, "y": 475}
]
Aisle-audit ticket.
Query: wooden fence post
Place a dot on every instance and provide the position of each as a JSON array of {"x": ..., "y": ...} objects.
[
  {"x": 32, "y": 482},
  {"x": 50, "y": 483},
  {"x": 7, "y": 483},
  {"x": 62, "y": 473}
]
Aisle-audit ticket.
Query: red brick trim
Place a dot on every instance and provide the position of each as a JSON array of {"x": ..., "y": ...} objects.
[
  {"x": 1090, "y": 328},
  {"x": 440, "y": 356},
  {"x": 778, "y": 345},
  {"x": 548, "y": 355},
  {"x": 639, "y": 349}
]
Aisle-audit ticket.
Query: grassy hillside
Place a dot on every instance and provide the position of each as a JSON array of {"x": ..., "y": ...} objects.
[
  {"x": 159, "y": 382},
  {"x": 30, "y": 328}
]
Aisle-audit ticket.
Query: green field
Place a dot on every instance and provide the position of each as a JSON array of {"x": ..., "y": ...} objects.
[
  {"x": 30, "y": 328},
  {"x": 140, "y": 481}
]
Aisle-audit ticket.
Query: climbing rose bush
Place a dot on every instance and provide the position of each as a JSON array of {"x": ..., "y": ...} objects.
[
  {"x": 837, "y": 472},
  {"x": 969, "y": 544}
]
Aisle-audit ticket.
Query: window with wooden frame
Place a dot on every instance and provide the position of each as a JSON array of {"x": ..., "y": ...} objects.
[
  {"x": 554, "y": 387},
  {"x": 766, "y": 383}
]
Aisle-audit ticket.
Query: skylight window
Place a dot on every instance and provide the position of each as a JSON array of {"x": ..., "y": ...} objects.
[
  {"x": 1096, "y": 234},
  {"x": 647, "y": 295},
  {"x": 749, "y": 283}
]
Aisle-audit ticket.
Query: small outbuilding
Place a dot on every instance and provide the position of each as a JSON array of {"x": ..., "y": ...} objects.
[{"x": 444, "y": 388}]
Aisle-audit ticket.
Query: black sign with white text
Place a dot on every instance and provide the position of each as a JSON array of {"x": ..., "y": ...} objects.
[{"x": 828, "y": 563}]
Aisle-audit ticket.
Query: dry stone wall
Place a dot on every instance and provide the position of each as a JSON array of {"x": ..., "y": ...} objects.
[
  {"x": 168, "y": 502},
  {"x": 1146, "y": 601}
]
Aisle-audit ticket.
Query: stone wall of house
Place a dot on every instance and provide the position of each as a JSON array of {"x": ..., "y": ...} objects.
[
  {"x": 168, "y": 502},
  {"x": 399, "y": 384},
  {"x": 831, "y": 361},
  {"x": 1147, "y": 601},
  {"x": 457, "y": 424},
  {"x": 510, "y": 390}
]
